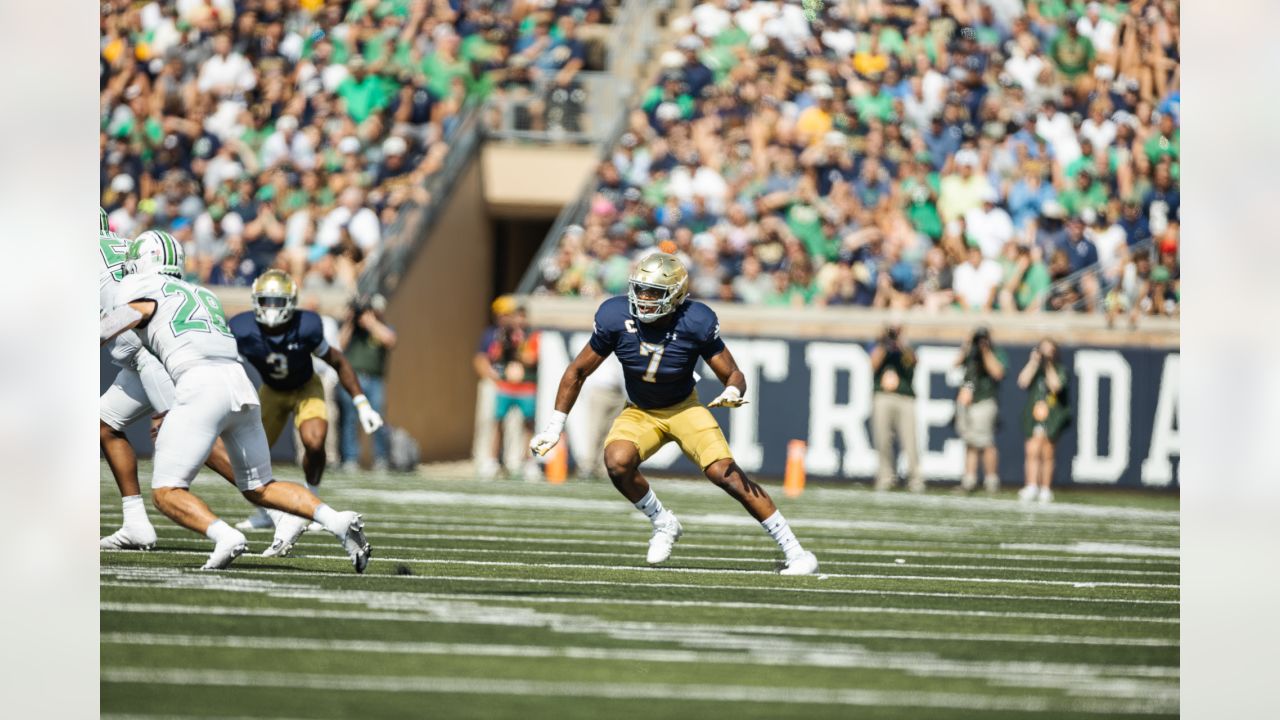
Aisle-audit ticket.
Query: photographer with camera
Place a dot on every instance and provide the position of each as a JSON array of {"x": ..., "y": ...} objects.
[
  {"x": 976, "y": 408},
  {"x": 366, "y": 339},
  {"x": 1044, "y": 417},
  {"x": 893, "y": 408}
]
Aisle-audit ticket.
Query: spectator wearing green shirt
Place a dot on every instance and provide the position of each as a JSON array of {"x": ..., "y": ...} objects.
[
  {"x": 1026, "y": 280},
  {"x": 1071, "y": 52},
  {"x": 1044, "y": 417},
  {"x": 893, "y": 408},
  {"x": 977, "y": 409},
  {"x": 1165, "y": 143},
  {"x": 363, "y": 92},
  {"x": 1085, "y": 192}
]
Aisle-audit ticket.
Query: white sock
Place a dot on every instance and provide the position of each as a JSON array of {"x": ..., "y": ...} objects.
[
  {"x": 780, "y": 531},
  {"x": 276, "y": 516},
  {"x": 220, "y": 531},
  {"x": 330, "y": 519},
  {"x": 993, "y": 479},
  {"x": 650, "y": 505},
  {"x": 135, "y": 512}
]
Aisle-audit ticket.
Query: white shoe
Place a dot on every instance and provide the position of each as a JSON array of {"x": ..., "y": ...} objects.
[
  {"x": 487, "y": 469},
  {"x": 1046, "y": 496},
  {"x": 130, "y": 538},
  {"x": 806, "y": 564},
  {"x": 1028, "y": 493},
  {"x": 666, "y": 531},
  {"x": 353, "y": 540},
  {"x": 225, "y": 552},
  {"x": 287, "y": 534},
  {"x": 260, "y": 520}
]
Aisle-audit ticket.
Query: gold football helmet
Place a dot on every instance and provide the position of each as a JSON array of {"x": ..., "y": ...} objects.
[
  {"x": 657, "y": 286},
  {"x": 275, "y": 297}
]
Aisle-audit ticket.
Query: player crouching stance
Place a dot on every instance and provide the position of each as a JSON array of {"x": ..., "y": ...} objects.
[
  {"x": 279, "y": 341},
  {"x": 658, "y": 337},
  {"x": 184, "y": 327}
]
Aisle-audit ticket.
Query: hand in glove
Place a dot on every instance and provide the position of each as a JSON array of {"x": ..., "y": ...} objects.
[
  {"x": 370, "y": 420},
  {"x": 542, "y": 443},
  {"x": 730, "y": 398}
]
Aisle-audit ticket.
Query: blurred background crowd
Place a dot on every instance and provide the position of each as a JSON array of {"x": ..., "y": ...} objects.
[
  {"x": 292, "y": 133},
  {"x": 942, "y": 154}
]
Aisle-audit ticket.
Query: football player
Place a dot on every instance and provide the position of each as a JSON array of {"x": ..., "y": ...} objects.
[
  {"x": 658, "y": 337},
  {"x": 279, "y": 340},
  {"x": 141, "y": 387},
  {"x": 183, "y": 325}
]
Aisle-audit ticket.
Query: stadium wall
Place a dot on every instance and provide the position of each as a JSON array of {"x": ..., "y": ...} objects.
[{"x": 809, "y": 377}]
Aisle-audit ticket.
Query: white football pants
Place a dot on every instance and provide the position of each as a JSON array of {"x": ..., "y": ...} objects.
[{"x": 212, "y": 401}]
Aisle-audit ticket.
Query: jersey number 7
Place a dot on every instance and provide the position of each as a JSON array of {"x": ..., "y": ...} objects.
[{"x": 654, "y": 352}]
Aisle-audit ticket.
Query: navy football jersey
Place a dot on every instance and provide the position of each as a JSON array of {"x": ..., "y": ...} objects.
[
  {"x": 283, "y": 360},
  {"x": 657, "y": 363}
]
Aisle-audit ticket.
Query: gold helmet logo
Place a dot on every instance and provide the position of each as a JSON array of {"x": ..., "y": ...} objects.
[
  {"x": 275, "y": 297},
  {"x": 658, "y": 286}
]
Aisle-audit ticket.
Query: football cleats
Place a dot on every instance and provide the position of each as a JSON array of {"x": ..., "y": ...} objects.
[
  {"x": 275, "y": 297},
  {"x": 657, "y": 286},
  {"x": 155, "y": 251}
]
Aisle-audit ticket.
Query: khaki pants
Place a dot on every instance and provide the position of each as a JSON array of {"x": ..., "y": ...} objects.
[
  {"x": 602, "y": 405},
  {"x": 895, "y": 415}
]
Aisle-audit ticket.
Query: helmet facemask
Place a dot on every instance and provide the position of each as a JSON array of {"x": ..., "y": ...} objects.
[
  {"x": 650, "y": 302},
  {"x": 273, "y": 310}
]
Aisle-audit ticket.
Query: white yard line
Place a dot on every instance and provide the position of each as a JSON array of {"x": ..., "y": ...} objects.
[
  {"x": 308, "y": 541},
  {"x": 639, "y": 691},
  {"x": 235, "y": 577},
  {"x": 775, "y": 653},
  {"x": 701, "y": 571},
  {"x": 1063, "y": 555},
  {"x": 490, "y": 615},
  {"x": 724, "y": 523}
]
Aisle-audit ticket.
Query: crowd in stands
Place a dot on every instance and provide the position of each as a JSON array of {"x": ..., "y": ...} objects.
[
  {"x": 974, "y": 154},
  {"x": 292, "y": 133}
]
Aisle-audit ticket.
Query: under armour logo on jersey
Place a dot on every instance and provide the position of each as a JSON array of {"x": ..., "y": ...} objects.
[{"x": 293, "y": 346}]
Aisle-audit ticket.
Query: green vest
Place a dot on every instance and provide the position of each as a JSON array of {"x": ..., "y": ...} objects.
[
  {"x": 365, "y": 354},
  {"x": 975, "y": 373},
  {"x": 904, "y": 365}
]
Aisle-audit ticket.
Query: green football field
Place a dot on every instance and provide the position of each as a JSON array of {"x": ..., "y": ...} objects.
[{"x": 493, "y": 599}]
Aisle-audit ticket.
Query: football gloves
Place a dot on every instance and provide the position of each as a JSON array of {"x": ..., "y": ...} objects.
[
  {"x": 542, "y": 443},
  {"x": 730, "y": 398},
  {"x": 370, "y": 420}
]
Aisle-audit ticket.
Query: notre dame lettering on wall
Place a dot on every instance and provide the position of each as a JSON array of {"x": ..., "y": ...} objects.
[{"x": 1124, "y": 401}]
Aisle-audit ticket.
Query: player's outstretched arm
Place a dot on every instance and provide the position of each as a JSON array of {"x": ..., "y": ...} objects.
[
  {"x": 124, "y": 317},
  {"x": 735, "y": 383},
  {"x": 566, "y": 395},
  {"x": 370, "y": 420}
]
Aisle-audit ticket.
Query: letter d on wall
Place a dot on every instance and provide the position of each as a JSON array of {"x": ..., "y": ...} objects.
[{"x": 1090, "y": 367}]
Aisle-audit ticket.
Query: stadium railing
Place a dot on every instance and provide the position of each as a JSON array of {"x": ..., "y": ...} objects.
[{"x": 405, "y": 236}]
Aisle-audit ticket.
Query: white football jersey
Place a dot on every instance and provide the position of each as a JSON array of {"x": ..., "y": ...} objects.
[
  {"x": 111, "y": 249},
  {"x": 188, "y": 327}
]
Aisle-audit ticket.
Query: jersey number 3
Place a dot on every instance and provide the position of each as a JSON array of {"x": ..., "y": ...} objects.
[
  {"x": 653, "y": 351},
  {"x": 279, "y": 363},
  {"x": 183, "y": 320}
]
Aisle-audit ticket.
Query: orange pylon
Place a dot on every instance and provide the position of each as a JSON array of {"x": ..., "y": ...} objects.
[
  {"x": 793, "y": 480},
  {"x": 558, "y": 462}
]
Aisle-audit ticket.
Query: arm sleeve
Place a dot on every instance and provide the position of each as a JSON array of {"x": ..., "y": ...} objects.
[{"x": 604, "y": 338}]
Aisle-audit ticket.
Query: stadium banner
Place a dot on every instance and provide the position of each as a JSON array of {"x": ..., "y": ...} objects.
[{"x": 1124, "y": 401}]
